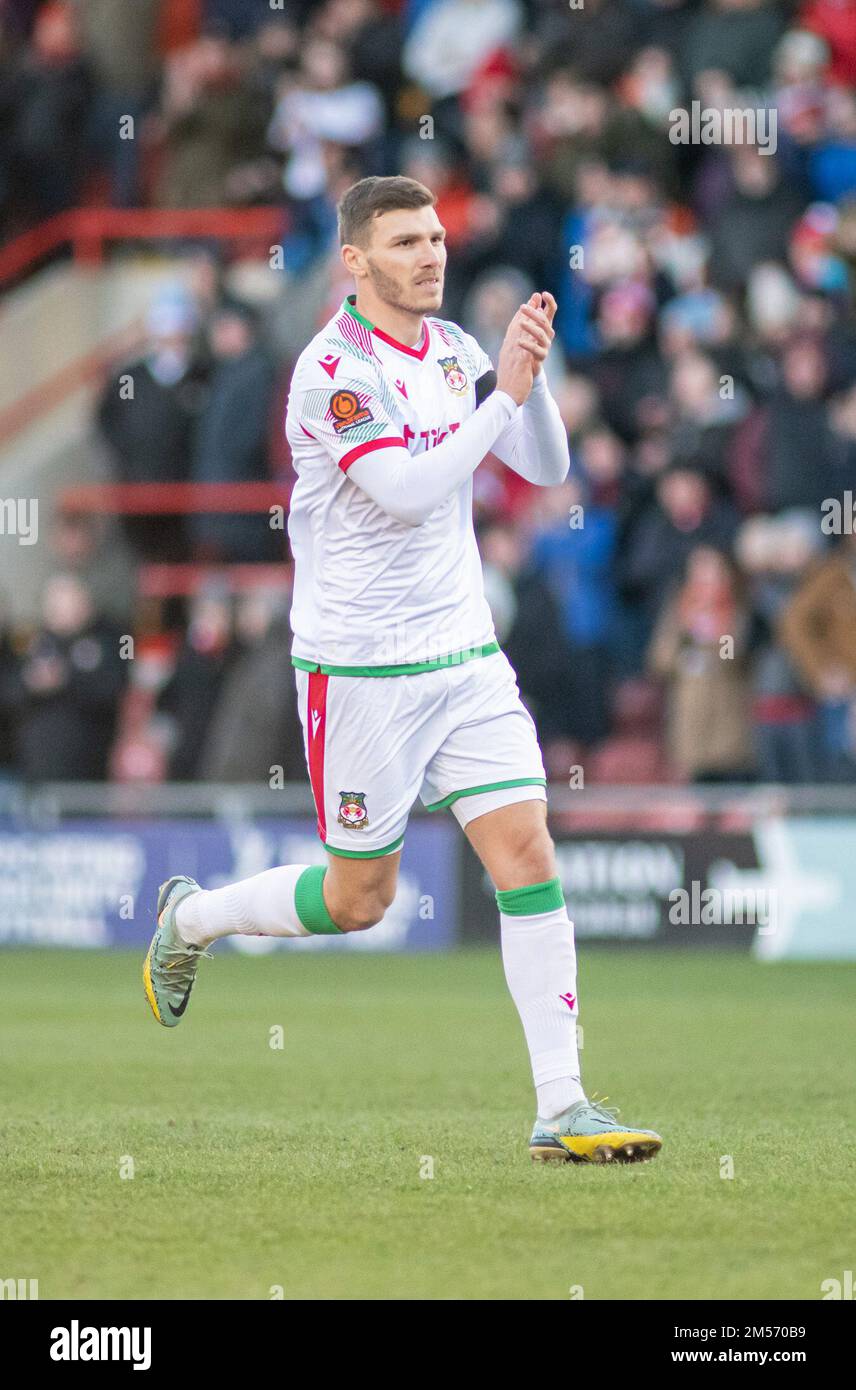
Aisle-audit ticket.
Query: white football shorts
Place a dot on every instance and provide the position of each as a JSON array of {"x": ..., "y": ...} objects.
[{"x": 459, "y": 736}]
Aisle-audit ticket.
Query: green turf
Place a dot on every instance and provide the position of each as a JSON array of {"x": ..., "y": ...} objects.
[{"x": 300, "y": 1167}]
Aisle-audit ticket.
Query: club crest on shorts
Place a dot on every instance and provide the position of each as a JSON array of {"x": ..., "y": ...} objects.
[
  {"x": 456, "y": 377},
  {"x": 352, "y": 810},
  {"x": 347, "y": 411}
]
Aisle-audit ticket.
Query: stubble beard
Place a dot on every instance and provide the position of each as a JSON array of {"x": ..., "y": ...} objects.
[{"x": 390, "y": 292}]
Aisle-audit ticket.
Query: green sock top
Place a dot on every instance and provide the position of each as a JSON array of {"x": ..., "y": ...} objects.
[
  {"x": 309, "y": 902},
  {"x": 529, "y": 902}
]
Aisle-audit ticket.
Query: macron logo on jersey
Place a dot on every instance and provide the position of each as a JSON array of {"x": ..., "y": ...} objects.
[
  {"x": 402, "y": 388},
  {"x": 330, "y": 363}
]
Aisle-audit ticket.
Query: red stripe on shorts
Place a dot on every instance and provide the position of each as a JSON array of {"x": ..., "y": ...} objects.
[{"x": 316, "y": 717}]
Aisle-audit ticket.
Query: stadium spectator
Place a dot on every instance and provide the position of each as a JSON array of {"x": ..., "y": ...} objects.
[
  {"x": 684, "y": 515},
  {"x": 515, "y": 223},
  {"x": 372, "y": 33},
  {"x": 48, "y": 97},
  {"x": 699, "y": 650},
  {"x": 235, "y": 19},
  {"x": 842, "y": 456},
  {"x": 573, "y": 555},
  {"x": 733, "y": 36},
  {"x": 254, "y": 734},
  {"x": 118, "y": 41},
  {"x": 84, "y": 545},
  {"x": 774, "y": 552},
  {"x": 148, "y": 413},
  {"x": 705, "y": 411},
  {"x": 190, "y": 696},
  {"x": 599, "y": 35},
  {"x": 63, "y": 697},
  {"x": 452, "y": 38},
  {"x": 19, "y": 16},
  {"x": 628, "y": 370},
  {"x": 818, "y": 631},
  {"x": 490, "y": 304},
  {"x": 8, "y": 690},
  {"x": 212, "y": 120},
  {"x": 755, "y": 218},
  {"x": 231, "y": 443},
  {"x": 836, "y": 23},
  {"x": 323, "y": 106},
  {"x": 785, "y": 452},
  {"x": 529, "y": 627}
]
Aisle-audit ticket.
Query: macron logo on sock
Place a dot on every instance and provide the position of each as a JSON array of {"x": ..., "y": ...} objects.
[{"x": 570, "y": 1000}]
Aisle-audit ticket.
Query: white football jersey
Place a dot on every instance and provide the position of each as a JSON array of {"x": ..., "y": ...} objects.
[{"x": 370, "y": 592}]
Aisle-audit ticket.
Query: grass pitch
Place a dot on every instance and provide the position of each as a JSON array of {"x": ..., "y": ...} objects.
[{"x": 256, "y": 1167}]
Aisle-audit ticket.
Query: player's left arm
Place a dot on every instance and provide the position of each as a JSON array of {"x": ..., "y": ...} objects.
[{"x": 534, "y": 443}]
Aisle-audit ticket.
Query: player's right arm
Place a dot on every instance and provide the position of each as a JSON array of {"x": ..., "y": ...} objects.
[
  {"x": 409, "y": 488},
  {"x": 534, "y": 443},
  {"x": 354, "y": 422}
]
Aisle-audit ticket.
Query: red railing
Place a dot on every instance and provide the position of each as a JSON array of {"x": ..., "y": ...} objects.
[
  {"x": 160, "y": 581},
  {"x": 184, "y": 579},
  {"x": 165, "y": 499},
  {"x": 88, "y": 230}
]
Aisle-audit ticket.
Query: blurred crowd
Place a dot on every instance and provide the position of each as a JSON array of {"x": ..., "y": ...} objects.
[{"x": 685, "y": 606}]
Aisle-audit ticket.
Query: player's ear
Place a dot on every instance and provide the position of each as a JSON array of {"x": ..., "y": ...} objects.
[{"x": 352, "y": 259}]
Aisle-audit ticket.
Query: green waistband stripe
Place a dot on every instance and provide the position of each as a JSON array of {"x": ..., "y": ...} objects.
[
  {"x": 488, "y": 787},
  {"x": 364, "y": 853},
  {"x": 528, "y": 902},
  {"x": 309, "y": 902},
  {"x": 414, "y": 668}
]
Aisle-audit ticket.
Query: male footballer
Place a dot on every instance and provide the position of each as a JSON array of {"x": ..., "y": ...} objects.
[{"x": 402, "y": 688}]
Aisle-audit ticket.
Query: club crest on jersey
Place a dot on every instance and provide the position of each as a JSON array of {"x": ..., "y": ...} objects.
[
  {"x": 456, "y": 377},
  {"x": 347, "y": 411},
  {"x": 352, "y": 810}
]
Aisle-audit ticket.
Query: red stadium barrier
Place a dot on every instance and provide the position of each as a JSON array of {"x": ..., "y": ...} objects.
[
  {"x": 159, "y": 581},
  {"x": 89, "y": 229},
  {"x": 172, "y": 499},
  {"x": 183, "y": 580}
]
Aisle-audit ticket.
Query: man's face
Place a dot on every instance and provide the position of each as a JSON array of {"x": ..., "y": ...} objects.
[
  {"x": 231, "y": 336},
  {"x": 405, "y": 259}
]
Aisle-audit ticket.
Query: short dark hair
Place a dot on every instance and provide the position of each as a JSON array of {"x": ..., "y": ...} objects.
[{"x": 370, "y": 197}]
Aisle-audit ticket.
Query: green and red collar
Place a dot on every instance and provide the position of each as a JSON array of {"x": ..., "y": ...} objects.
[{"x": 418, "y": 352}]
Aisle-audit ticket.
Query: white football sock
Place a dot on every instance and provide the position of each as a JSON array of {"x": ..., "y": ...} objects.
[
  {"x": 259, "y": 906},
  {"x": 540, "y": 965}
]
